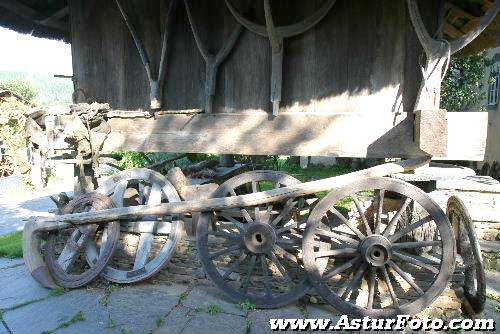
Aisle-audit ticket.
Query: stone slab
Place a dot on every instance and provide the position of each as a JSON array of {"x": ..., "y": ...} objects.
[
  {"x": 18, "y": 287},
  {"x": 188, "y": 321},
  {"x": 137, "y": 308},
  {"x": 259, "y": 319},
  {"x": 52, "y": 312},
  {"x": 471, "y": 183},
  {"x": 6, "y": 263},
  {"x": 206, "y": 295}
]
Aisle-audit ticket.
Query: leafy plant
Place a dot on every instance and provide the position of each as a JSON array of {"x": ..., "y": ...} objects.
[
  {"x": 247, "y": 306},
  {"x": 214, "y": 309},
  {"x": 462, "y": 86},
  {"x": 11, "y": 245}
]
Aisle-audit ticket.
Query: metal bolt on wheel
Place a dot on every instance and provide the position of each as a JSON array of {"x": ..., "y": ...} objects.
[
  {"x": 65, "y": 249},
  {"x": 156, "y": 236},
  {"x": 253, "y": 253},
  {"x": 470, "y": 251},
  {"x": 391, "y": 248}
]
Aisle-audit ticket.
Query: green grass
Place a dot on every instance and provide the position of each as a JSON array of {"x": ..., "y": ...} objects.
[
  {"x": 80, "y": 316},
  {"x": 57, "y": 291},
  {"x": 214, "y": 309},
  {"x": 11, "y": 245},
  {"x": 247, "y": 306}
]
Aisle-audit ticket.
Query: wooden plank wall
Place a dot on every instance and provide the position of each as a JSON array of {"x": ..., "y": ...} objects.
[{"x": 362, "y": 57}]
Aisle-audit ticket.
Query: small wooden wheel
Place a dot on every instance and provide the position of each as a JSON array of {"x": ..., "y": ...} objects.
[
  {"x": 66, "y": 260},
  {"x": 253, "y": 253},
  {"x": 392, "y": 249},
  {"x": 156, "y": 237},
  {"x": 470, "y": 251}
]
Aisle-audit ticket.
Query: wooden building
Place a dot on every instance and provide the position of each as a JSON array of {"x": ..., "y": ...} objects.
[{"x": 322, "y": 77}]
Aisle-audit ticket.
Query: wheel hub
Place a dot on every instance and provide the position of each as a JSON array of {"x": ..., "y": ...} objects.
[
  {"x": 376, "y": 250},
  {"x": 259, "y": 238}
]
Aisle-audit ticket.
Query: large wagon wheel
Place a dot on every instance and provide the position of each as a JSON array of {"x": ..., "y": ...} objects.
[
  {"x": 157, "y": 235},
  {"x": 376, "y": 267},
  {"x": 470, "y": 251},
  {"x": 253, "y": 253},
  {"x": 65, "y": 249}
]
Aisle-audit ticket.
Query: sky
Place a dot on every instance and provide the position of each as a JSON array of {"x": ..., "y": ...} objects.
[{"x": 21, "y": 52}]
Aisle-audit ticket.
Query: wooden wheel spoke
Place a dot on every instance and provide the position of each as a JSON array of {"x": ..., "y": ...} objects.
[
  {"x": 287, "y": 228},
  {"x": 234, "y": 266},
  {"x": 240, "y": 226},
  {"x": 283, "y": 253},
  {"x": 71, "y": 248},
  {"x": 406, "y": 277},
  {"x": 267, "y": 277},
  {"x": 119, "y": 192},
  {"x": 362, "y": 214},
  {"x": 390, "y": 287},
  {"x": 290, "y": 204},
  {"x": 289, "y": 242},
  {"x": 380, "y": 206},
  {"x": 336, "y": 252},
  {"x": 341, "y": 268},
  {"x": 336, "y": 236},
  {"x": 246, "y": 215},
  {"x": 143, "y": 249},
  {"x": 250, "y": 269},
  {"x": 371, "y": 287},
  {"x": 232, "y": 236},
  {"x": 410, "y": 228},
  {"x": 224, "y": 251},
  {"x": 416, "y": 244},
  {"x": 254, "y": 187},
  {"x": 413, "y": 260},
  {"x": 397, "y": 216},
  {"x": 280, "y": 267},
  {"x": 355, "y": 280},
  {"x": 348, "y": 223}
]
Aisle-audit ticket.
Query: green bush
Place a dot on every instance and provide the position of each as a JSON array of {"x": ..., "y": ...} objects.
[{"x": 20, "y": 87}]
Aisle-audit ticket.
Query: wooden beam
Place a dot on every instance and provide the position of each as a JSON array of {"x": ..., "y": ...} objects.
[
  {"x": 19, "y": 8},
  {"x": 33, "y": 15},
  {"x": 290, "y": 133},
  {"x": 55, "y": 16},
  {"x": 431, "y": 131},
  {"x": 467, "y": 134},
  {"x": 305, "y": 133}
]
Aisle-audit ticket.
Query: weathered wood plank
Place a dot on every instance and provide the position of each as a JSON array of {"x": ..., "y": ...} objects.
[
  {"x": 292, "y": 133},
  {"x": 431, "y": 131},
  {"x": 298, "y": 133}
]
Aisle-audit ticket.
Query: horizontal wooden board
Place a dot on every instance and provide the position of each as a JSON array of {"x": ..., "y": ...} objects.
[
  {"x": 467, "y": 133},
  {"x": 294, "y": 133}
]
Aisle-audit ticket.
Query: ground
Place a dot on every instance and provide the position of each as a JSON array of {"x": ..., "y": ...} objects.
[{"x": 139, "y": 308}]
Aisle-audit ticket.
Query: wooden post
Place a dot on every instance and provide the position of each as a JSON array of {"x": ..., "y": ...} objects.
[{"x": 85, "y": 180}]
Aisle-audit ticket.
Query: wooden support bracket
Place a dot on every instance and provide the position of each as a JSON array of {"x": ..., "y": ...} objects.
[
  {"x": 156, "y": 82},
  {"x": 276, "y": 37},
  {"x": 438, "y": 53},
  {"x": 212, "y": 62},
  {"x": 431, "y": 131}
]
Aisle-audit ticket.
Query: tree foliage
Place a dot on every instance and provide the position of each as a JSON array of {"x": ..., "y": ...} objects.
[
  {"x": 462, "y": 86},
  {"x": 20, "y": 87}
]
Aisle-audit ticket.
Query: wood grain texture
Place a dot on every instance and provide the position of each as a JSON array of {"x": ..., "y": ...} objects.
[
  {"x": 431, "y": 131},
  {"x": 301, "y": 133},
  {"x": 343, "y": 64}
]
